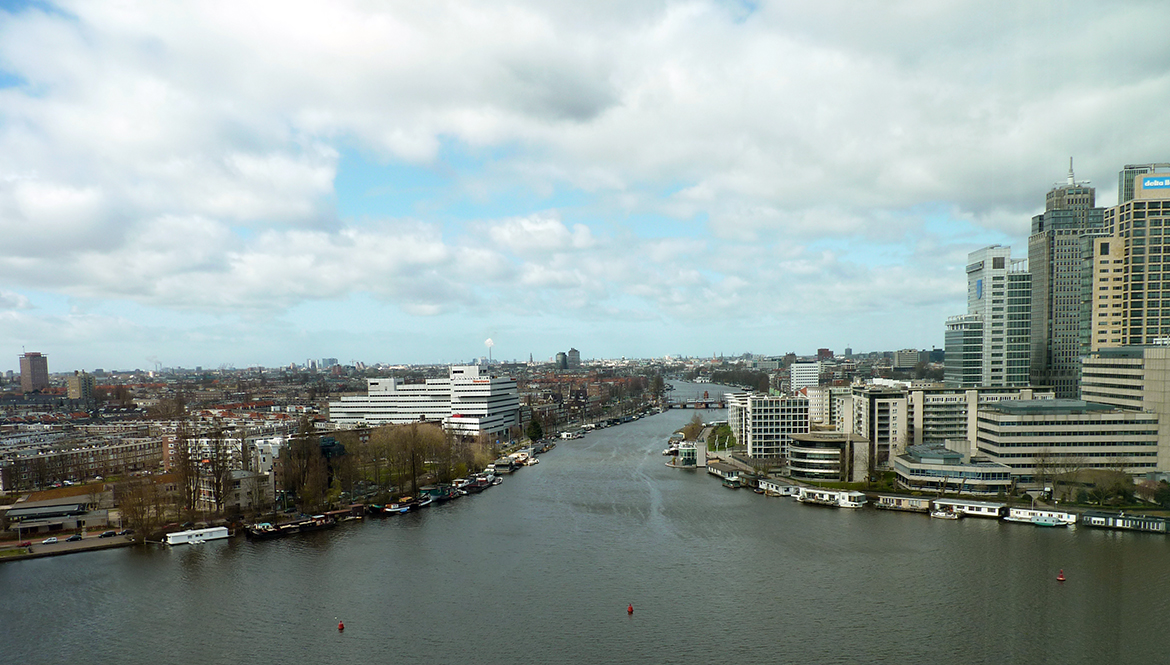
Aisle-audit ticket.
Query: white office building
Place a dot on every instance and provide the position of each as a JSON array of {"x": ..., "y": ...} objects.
[
  {"x": 470, "y": 402},
  {"x": 804, "y": 375}
]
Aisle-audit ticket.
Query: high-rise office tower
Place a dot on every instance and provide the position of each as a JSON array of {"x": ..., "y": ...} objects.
[
  {"x": 34, "y": 372},
  {"x": 989, "y": 346},
  {"x": 1054, "y": 259},
  {"x": 1128, "y": 301},
  {"x": 1131, "y": 171}
]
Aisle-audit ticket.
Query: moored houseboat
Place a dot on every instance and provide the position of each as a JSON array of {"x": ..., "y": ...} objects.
[
  {"x": 1108, "y": 520},
  {"x": 197, "y": 535},
  {"x": 836, "y": 498},
  {"x": 1041, "y": 517},
  {"x": 911, "y": 504},
  {"x": 967, "y": 507}
]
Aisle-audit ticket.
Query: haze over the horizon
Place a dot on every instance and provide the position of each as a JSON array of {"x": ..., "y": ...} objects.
[{"x": 259, "y": 183}]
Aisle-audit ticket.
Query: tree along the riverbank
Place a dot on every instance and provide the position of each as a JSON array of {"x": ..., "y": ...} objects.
[{"x": 315, "y": 471}]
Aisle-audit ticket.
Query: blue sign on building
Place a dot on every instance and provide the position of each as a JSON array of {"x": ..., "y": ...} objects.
[{"x": 1156, "y": 182}]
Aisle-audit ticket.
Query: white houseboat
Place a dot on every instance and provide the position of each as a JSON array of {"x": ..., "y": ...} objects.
[
  {"x": 836, "y": 498},
  {"x": 774, "y": 487},
  {"x": 970, "y": 508},
  {"x": 1041, "y": 517},
  {"x": 197, "y": 535}
]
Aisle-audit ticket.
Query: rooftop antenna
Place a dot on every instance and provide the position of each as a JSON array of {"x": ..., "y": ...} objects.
[{"x": 1071, "y": 180}]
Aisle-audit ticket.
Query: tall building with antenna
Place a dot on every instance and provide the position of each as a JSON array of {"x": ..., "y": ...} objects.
[
  {"x": 34, "y": 372},
  {"x": 1054, "y": 259}
]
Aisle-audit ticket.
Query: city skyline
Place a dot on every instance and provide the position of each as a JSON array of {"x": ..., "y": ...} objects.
[{"x": 255, "y": 185}]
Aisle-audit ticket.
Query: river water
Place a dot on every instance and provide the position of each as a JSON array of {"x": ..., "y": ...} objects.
[{"x": 541, "y": 568}]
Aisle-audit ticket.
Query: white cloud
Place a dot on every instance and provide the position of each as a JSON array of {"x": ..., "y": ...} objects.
[{"x": 184, "y": 157}]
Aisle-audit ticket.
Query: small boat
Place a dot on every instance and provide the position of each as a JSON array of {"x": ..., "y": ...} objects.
[
  {"x": 497, "y": 480},
  {"x": 732, "y": 483},
  {"x": 945, "y": 514}
]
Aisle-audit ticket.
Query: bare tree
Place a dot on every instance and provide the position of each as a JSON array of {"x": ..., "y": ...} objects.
[
  {"x": 139, "y": 501},
  {"x": 186, "y": 465},
  {"x": 220, "y": 462}
]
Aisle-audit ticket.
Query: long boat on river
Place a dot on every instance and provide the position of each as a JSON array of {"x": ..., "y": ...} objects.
[{"x": 269, "y": 531}]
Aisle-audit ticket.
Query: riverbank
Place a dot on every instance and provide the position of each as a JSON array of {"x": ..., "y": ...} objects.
[{"x": 39, "y": 550}]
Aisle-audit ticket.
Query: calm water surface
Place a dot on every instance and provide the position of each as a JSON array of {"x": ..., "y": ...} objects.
[{"x": 541, "y": 568}]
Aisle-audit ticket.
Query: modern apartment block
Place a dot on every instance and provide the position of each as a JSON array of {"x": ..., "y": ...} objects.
[
  {"x": 989, "y": 346},
  {"x": 764, "y": 424},
  {"x": 1135, "y": 378},
  {"x": 1055, "y": 263},
  {"x": 469, "y": 402},
  {"x": 80, "y": 386},
  {"x": 877, "y": 413},
  {"x": 34, "y": 372}
]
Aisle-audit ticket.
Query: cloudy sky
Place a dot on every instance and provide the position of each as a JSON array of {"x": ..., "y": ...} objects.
[{"x": 239, "y": 183}]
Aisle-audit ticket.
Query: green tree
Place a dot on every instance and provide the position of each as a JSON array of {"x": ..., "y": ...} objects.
[{"x": 534, "y": 431}]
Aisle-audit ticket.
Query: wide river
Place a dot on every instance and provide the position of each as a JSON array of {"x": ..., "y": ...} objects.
[{"x": 541, "y": 568}]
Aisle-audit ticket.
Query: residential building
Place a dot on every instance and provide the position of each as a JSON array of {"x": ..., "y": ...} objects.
[
  {"x": 996, "y": 329},
  {"x": 823, "y": 402},
  {"x": 470, "y": 402},
  {"x": 1040, "y": 439},
  {"x": 80, "y": 386},
  {"x": 34, "y": 372},
  {"x": 764, "y": 424},
  {"x": 1136, "y": 378},
  {"x": 1055, "y": 263},
  {"x": 879, "y": 414}
]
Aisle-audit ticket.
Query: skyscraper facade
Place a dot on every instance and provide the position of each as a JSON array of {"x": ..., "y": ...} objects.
[
  {"x": 1130, "y": 172},
  {"x": 1129, "y": 299},
  {"x": 1055, "y": 263},
  {"x": 34, "y": 372},
  {"x": 995, "y": 332}
]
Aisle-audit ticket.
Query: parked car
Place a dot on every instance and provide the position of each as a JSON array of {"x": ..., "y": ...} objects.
[
  {"x": 27, "y": 543},
  {"x": 187, "y": 525},
  {"x": 51, "y": 540},
  {"x": 108, "y": 534},
  {"x": 74, "y": 538},
  {"x": 125, "y": 532}
]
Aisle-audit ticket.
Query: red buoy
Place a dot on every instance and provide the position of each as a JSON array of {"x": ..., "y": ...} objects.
[
  {"x": 630, "y": 609},
  {"x": 340, "y": 626},
  {"x": 1060, "y": 575}
]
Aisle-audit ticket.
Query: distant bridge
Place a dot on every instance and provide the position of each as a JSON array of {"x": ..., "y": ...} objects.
[{"x": 713, "y": 403}]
